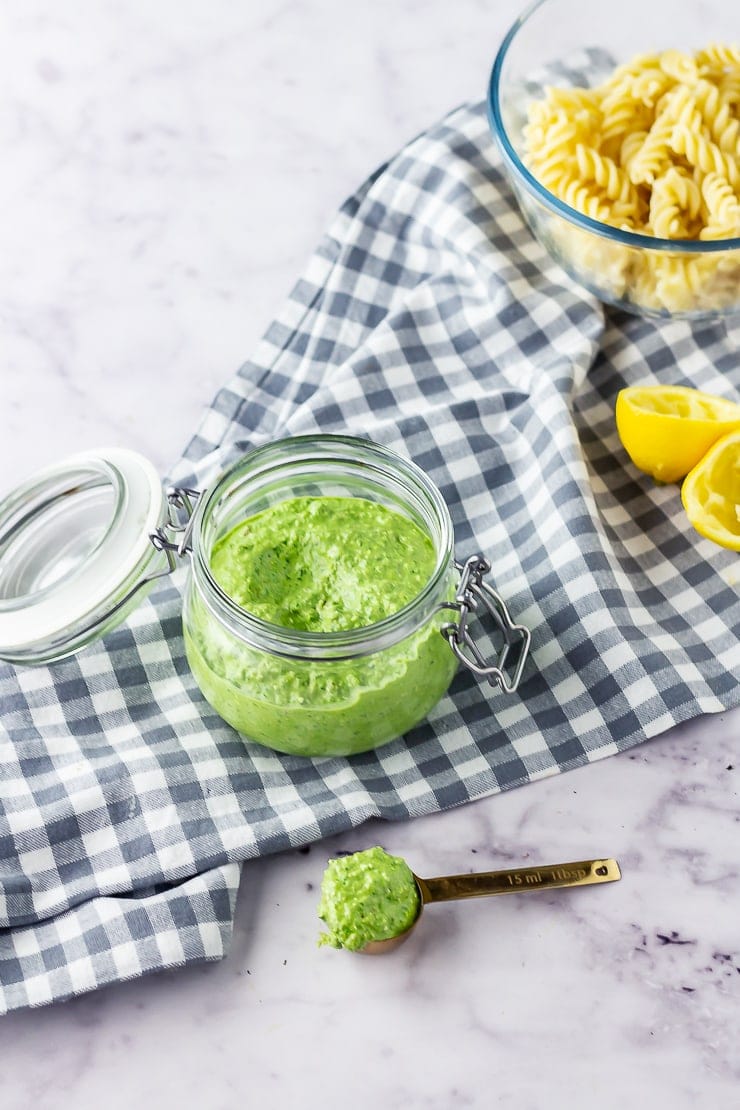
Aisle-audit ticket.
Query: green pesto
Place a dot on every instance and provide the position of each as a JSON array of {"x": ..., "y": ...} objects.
[
  {"x": 367, "y": 896},
  {"x": 324, "y": 564},
  {"x": 321, "y": 564}
]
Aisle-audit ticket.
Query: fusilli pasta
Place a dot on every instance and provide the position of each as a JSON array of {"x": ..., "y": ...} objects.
[{"x": 655, "y": 149}]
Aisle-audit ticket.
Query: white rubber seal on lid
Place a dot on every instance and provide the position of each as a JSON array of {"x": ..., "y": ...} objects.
[{"x": 74, "y": 539}]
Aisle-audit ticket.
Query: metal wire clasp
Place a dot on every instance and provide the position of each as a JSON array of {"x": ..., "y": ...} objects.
[
  {"x": 173, "y": 536},
  {"x": 473, "y": 593}
]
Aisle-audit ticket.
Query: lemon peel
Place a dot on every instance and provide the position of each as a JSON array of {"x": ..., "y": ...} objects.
[
  {"x": 711, "y": 493},
  {"x": 667, "y": 429}
]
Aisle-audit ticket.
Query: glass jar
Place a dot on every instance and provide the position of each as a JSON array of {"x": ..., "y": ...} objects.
[{"x": 65, "y": 578}]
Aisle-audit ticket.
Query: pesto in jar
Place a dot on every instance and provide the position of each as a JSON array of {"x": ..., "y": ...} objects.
[
  {"x": 324, "y": 564},
  {"x": 321, "y": 565}
]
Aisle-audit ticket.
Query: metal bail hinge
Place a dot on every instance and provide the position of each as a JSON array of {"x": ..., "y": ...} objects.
[
  {"x": 473, "y": 593},
  {"x": 173, "y": 537}
]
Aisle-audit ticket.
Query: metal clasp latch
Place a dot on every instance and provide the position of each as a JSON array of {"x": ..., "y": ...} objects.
[
  {"x": 181, "y": 505},
  {"x": 473, "y": 593},
  {"x": 173, "y": 537}
]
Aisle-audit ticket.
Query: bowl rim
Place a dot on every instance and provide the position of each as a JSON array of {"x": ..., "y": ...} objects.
[{"x": 559, "y": 207}]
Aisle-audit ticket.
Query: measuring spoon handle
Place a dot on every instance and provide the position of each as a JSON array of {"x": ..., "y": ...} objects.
[{"x": 519, "y": 880}]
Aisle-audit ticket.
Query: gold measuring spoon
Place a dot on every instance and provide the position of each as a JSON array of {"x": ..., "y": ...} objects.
[{"x": 517, "y": 880}]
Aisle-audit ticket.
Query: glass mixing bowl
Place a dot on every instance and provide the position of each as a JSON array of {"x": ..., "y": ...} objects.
[{"x": 580, "y": 42}]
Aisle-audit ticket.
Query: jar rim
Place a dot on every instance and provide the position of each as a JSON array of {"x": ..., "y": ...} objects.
[{"x": 369, "y": 458}]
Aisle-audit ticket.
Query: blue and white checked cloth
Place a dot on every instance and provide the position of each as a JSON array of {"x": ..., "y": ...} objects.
[{"x": 431, "y": 321}]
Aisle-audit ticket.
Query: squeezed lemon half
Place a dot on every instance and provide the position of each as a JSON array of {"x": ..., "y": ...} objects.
[
  {"x": 667, "y": 429},
  {"x": 711, "y": 493}
]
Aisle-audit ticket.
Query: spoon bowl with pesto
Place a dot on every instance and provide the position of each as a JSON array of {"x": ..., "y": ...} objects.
[{"x": 372, "y": 901}]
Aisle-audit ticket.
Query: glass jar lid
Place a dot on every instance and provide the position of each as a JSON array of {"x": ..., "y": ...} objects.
[{"x": 74, "y": 547}]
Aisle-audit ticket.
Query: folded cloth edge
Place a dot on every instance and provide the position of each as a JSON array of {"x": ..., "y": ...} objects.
[{"x": 114, "y": 939}]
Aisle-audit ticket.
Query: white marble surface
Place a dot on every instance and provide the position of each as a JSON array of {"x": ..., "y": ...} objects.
[{"x": 167, "y": 168}]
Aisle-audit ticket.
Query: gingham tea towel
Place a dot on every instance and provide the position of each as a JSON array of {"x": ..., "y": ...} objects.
[{"x": 431, "y": 321}]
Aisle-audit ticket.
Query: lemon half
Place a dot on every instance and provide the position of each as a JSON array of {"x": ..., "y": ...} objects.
[
  {"x": 667, "y": 429},
  {"x": 711, "y": 493}
]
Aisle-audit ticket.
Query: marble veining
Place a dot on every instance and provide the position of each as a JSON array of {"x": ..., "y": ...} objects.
[{"x": 167, "y": 170}]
